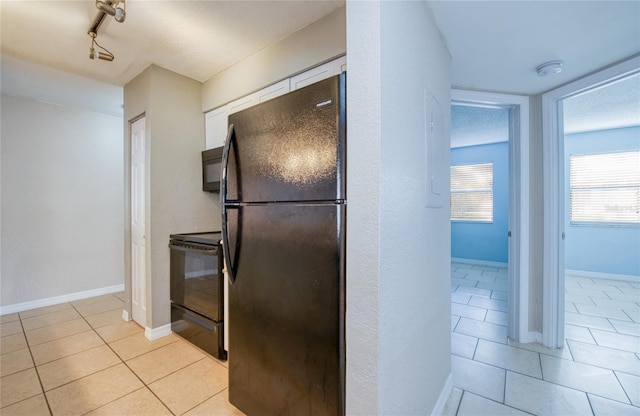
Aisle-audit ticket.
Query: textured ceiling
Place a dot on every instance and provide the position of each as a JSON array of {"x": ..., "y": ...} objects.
[
  {"x": 472, "y": 126},
  {"x": 612, "y": 106},
  {"x": 193, "y": 38}
]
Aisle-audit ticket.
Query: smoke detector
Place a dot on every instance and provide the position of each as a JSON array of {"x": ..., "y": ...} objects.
[{"x": 549, "y": 68}]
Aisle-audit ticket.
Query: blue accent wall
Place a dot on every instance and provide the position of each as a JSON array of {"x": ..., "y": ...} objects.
[
  {"x": 485, "y": 241},
  {"x": 601, "y": 248}
]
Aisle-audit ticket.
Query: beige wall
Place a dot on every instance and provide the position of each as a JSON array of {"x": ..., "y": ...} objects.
[
  {"x": 318, "y": 42},
  {"x": 175, "y": 203},
  {"x": 61, "y": 201}
]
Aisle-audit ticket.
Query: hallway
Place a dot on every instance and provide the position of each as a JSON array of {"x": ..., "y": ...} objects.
[{"x": 598, "y": 371}]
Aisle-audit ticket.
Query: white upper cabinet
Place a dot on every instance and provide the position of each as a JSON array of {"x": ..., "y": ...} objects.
[
  {"x": 241, "y": 103},
  {"x": 216, "y": 120},
  {"x": 215, "y": 127},
  {"x": 265, "y": 94},
  {"x": 319, "y": 73},
  {"x": 273, "y": 91}
]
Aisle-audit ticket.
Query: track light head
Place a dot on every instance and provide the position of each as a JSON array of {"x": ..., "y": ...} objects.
[
  {"x": 120, "y": 15},
  {"x": 107, "y": 6},
  {"x": 95, "y": 54}
]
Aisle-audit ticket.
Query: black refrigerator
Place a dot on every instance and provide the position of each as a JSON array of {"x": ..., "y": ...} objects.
[{"x": 283, "y": 215}]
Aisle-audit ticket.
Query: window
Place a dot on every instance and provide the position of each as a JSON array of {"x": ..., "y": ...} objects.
[
  {"x": 472, "y": 192},
  {"x": 605, "y": 188}
]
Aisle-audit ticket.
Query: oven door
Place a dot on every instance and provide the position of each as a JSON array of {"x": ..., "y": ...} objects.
[{"x": 196, "y": 281}]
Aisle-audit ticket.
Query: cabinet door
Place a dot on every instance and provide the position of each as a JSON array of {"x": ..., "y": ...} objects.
[
  {"x": 242, "y": 103},
  {"x": 215, "y": 127},
  {"x": 265, "y": 94},
  {"x": 319, "y": 73},
  {"x": 273, "y": 91}
]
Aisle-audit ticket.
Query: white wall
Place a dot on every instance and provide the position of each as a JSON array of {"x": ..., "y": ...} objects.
[
  {"x": 398, "y": 269},
  {"x": 62, "y": 200},
  {"x": 363, "y": 208},
  {"x": 26, "y": 79}
]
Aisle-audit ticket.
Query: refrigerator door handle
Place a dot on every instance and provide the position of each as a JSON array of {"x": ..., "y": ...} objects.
[
  {"x": 231, "y": 135},
  {"x": 231, "y": 269},
  {"x": 231, "y": 263}
]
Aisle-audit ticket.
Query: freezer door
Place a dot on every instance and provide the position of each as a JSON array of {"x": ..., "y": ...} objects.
[
  {"x": 290, "y": 148},
  {"x": 286, "y": 311}
]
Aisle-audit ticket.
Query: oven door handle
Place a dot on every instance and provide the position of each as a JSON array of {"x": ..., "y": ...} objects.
[{"x": 191, "y": 249}]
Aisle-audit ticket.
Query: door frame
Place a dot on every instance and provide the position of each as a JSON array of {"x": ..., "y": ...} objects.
[
  {"x": 553, "y": 188},
  {"x": 518, "y": 261}
]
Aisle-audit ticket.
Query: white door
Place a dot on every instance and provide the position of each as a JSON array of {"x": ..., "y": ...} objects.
[{"x": 138, "y": 249}]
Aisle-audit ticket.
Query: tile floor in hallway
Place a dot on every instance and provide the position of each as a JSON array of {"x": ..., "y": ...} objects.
[
  {"x": 596, "y": 373},
  {"x": 81, "y": 358}
]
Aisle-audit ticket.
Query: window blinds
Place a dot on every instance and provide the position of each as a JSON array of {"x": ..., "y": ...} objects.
[
  {"x": 472, "y": 192},
  {"x": 605, "y": 187}
]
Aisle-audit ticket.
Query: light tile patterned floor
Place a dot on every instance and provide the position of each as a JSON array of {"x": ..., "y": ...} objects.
[
  {"x": 597, "y": 373},
  {"x": 81, "y": 358}
]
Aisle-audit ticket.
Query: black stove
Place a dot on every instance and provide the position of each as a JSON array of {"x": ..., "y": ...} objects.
[{"x": 197, "y": 290}]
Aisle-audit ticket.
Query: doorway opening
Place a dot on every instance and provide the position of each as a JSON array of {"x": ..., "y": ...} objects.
[
  {"x": 479, "y": 220},
  {"x": 514, "y": 144},
  {"x": 561, "y": 226},
  {"x": 601, "y": 169}
]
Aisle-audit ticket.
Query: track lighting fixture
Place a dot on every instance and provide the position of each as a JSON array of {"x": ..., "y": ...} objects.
[
  {"x": 112, "y": 8},
  {"x": 106, "y": 7},
  {"x": 95, "y": 53}
]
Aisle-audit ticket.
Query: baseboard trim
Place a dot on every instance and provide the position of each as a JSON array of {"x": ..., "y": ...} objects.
[
  {"x": 154, "y": 333},
  {"x": 604, "y": 276},
  {"x": 479, "y": 262},
  {"x": 40, "y": 303},
  {"x": 438, "y": 409},
  {"x": 125, "y": 315}
]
